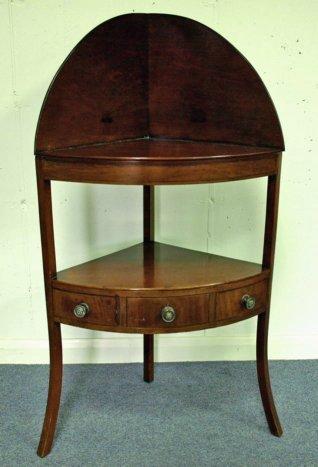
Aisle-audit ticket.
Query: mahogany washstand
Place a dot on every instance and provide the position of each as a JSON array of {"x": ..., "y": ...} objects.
[{"x": 155, "y": 99}]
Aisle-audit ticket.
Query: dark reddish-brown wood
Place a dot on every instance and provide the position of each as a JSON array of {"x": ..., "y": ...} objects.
[
  {"x": 49, "y": 269},
  {"x": 55, "y": 388},
  {"x": 213, "y": 323},
  {"x": 158, "y": 150},
  {"x": 149, "y": 236},
  {"x": 229, "y": 304},
  {"x": 263, "y": 320},
  {"x": 160, "y": 173},
  {"x": 148, "y": 358},
  {"x": 157, "y": 75},
  {"x": 149, "y": 213},
  {"x": 154, "y": 99},
  {"x": 100, "y": 92},
  {"x": 102, "y": 309},
  {"x": 155, "y": 269},
  {"x": 146, "y": 312}
]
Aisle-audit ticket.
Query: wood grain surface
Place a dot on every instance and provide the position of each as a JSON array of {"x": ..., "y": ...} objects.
[
  {"x": 153, "y": 268},
  {"x": 156, "y": 99},
  {"x": 157, "y": 75}
]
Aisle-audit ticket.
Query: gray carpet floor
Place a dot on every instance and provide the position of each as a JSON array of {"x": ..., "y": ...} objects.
[{"x": 193, "y": 414}]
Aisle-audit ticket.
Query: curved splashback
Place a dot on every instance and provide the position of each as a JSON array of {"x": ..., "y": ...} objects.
[{"x": 157, "y": 76}]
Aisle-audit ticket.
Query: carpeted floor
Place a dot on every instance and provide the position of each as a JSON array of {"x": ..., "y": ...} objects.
[{"x": 193, "y": 414}]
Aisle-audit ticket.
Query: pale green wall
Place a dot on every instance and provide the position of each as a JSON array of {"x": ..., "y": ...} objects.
[{"x": 280, "y": 39}]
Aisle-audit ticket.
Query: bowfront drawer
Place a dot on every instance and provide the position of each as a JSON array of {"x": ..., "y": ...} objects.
[
  {"x": 243, "y": 301},
  {"x": 77, "y": 308},
  {"x": 168, "y": 312}
]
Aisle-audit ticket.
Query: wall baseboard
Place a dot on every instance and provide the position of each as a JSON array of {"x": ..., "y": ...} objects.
[{"x": 129, "y": 349}]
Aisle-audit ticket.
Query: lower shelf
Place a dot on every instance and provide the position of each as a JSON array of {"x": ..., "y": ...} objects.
[{"x": 157, "y": 288}]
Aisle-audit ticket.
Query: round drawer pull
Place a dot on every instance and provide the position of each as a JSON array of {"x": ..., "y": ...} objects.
[
  {"x": 168, "y": 314},
  {"x": 81, "y": 310},
  {"x": 248, "y": 302}
]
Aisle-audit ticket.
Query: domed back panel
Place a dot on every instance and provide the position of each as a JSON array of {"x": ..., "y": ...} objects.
[{"x": 160, "y": 76}]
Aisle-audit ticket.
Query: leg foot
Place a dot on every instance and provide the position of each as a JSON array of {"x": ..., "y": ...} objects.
[
  {"x": 148, "y": 358},
  {"x": 263, "y": 376},
  {"x": 54, "y": 394}
]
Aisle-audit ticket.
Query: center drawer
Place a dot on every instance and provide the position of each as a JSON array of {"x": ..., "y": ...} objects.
[{"x": 168, "y": 311}]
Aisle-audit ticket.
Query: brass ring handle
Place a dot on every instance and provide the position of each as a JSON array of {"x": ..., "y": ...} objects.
[
  {"x": 248, "y": 302},
  {"x": 168, "y": 314},
  {"x": 81, "y": 310}
]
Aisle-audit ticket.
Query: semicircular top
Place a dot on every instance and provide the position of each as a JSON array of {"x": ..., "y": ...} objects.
[{"x": 155, "y": 76}]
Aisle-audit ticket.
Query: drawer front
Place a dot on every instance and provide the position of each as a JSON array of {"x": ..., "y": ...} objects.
[
  {"x": 168, "y": 312},
  {"x": 229, "y": 304},
  {"x": 99, "y": 310}
]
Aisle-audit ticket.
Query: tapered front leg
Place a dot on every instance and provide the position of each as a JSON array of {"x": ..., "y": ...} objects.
[
  {"x": 148, "y": 358},
  {"x": 264, "y": 378},
  {"x": 54, "y": 393},
  {"x": 49, "y": 269},
  {"x": 263, "y": 318}
]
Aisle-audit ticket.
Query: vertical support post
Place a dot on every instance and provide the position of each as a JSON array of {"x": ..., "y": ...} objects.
[
  {"x": 263, "y": 318},
  {"x": 148, "y": 358},
  {"x": 149, "y": 213},
  {"x": 54, "y": 329},
  {"x": 149, "y": 236}
]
